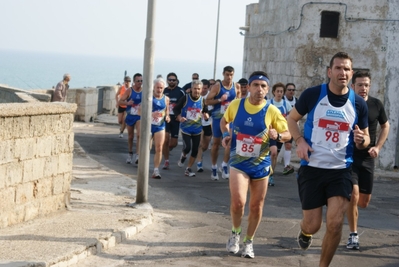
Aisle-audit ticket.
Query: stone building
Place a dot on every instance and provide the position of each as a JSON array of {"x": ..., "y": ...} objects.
[{"x": 294, "y": 40}]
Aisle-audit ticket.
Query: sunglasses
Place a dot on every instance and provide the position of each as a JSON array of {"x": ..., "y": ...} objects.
[
  {"x": 292, "y": 90},
  {"x": 171, "y": 80},
  {"x": 139, "y": 81}
]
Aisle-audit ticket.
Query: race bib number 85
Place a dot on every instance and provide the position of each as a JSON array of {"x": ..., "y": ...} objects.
[{"x": 248, "y": 146}]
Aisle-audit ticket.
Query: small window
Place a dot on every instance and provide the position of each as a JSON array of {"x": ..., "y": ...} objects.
[{"x": 329, "y": 24}]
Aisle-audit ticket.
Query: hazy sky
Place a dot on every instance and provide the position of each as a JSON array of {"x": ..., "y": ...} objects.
[{"x": 184, "y": 29}]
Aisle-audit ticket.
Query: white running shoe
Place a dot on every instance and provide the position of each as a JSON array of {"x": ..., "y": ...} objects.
[
  {"x": 233, "y": 244},
  {"x": 189, "y": 172},
  {"x": 248, "y": 250},
  {"x": 180, "y": 163},
  {"x": 225, "y": 172},
  {"x": 129, "y": 159},
  {"x": 214, "y": 175},
  {"x": 136, "y": 159},
  {"x": 156, "y": 174}
]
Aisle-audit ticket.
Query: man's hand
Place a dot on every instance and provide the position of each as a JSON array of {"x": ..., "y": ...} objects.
[
  {"x": 374, "y": 152},
  {"x": 358, "y": 135},
  {"x": 303, "y": 149},
  {"x": 272, "y": 133},
  {"x": 226, "y": 141}
]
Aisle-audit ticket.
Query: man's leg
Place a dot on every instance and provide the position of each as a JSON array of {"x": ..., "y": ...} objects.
[
  {"x": 137, "y": 128},
  {"x": 337, "y": 207},
  {"x": 352, "y": 213},
  {"x": 130, "y": 143},
  {"x": 258, "y": 189},
  {"x": 159, "y": 138},
  {"x": 238, "y": 184}
]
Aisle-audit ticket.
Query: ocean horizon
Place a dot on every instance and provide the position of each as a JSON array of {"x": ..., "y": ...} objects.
[{"x": 39, "y": 70}]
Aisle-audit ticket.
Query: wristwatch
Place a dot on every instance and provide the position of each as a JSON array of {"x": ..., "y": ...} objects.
[{"x": 278, "y": 137}]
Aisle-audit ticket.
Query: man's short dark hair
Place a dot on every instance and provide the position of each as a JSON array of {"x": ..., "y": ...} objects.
[
  {"x": 228, "y": 69},
  {"x": 171, "y": 74},
  {"x": 136, "y": 75},
  {"x": 243, "y": 81},
  {"x": 290, "y": 84},
  {"x": 205, "y": 82},
  {"x": 342, "y": 55},
  {"x": 360, "y": 74}
]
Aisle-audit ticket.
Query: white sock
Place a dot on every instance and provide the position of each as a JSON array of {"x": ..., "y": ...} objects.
[
  {"x": 155, "y": 169},
  {"x": 224, "y": 164},
  {"x": 287, "y": 158},
  {"x": 214, "y": 166}
]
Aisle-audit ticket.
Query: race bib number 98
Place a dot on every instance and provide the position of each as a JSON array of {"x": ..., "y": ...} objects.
[{"x": 332, "y": 134}]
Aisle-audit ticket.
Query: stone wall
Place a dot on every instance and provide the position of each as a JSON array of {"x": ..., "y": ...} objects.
[
  {"x": 36, "y": 146},
  {"x": 87, "y": 99},
  {"x": 284, "y": 40}
]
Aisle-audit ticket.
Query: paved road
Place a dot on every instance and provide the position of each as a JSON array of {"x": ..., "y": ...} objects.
[{"x": 192, "y": 219}]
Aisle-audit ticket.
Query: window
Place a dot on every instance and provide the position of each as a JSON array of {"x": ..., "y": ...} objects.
[{"x": 329, "y": 24}]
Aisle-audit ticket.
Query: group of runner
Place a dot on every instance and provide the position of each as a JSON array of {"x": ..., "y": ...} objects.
[{"x": 337, "y": 147}]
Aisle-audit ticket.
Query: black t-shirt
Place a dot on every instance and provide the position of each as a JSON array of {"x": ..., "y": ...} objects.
[
  {"x": 308, "y": 100},
  {"x": 174, "y": 94},
  {"x": 376, "y": 115}
]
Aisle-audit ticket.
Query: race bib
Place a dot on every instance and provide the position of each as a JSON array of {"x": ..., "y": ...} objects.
[
  {"x": 157, "y": 118},
  {"x": 332, "y": 134},
  {"x": 134, "y": 110},
  {"x": 193, "y": 114},
  {"x": 248, "y": 146},
  {"x": 223, "y": 106},
  {"x": 171, "y": 106}
]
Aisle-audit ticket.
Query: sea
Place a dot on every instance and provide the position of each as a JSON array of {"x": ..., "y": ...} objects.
[{"x": 40, "y": 70}]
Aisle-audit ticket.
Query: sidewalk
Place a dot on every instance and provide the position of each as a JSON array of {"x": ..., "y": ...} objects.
[{"x": 98, "y": 218}]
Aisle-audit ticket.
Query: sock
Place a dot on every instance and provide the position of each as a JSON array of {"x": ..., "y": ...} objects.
[
  {"x": 248, "y": 238},
  {"x": 214, "y": 166},
  {"x": 307, "y": 235},
  {"x": 224, "y": 164},
  {"x": 166, "y": 160},
  {"x": 287, "y": 158},
  {"x": 236, "y": 230},
  {"x": 155, "y": 169}
]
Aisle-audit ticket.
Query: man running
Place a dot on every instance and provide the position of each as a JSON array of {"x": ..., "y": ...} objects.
[
  {"x": 253, "y": 123},
  {"x": 174, "y": 93},
  {"x": 131, "y": 99},
  {"x": 160, "y": 115},
  {"x": 363, "y": 160},
  {"x": 220, "y": 96},
  {"x": 336, "y": 122},
  {"x": 188, "y": 111}
]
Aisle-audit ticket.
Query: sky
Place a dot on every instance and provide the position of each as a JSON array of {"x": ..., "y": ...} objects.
[{"x": 184, "y": 29}]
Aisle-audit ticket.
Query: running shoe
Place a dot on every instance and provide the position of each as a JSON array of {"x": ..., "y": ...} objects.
[
  {"x": 288, "y": 169},
  {"x": 189, "y": 173},
  {"x": 199, "y": 167},
  {"x": 181, "y": 161},
  {"x": 156, "y": 174},
  {"x": 233, "y": 244},
  {"x": 136, "y": 159},
  {"x": 214, "y": 175},
  {"x": 166, "y": 165},
  {"x": 271, "y": 180},
  {"x": 129, "y": 159},
  {"x": 304, "y": 242},
  {"x": 353, "y": 242},
  {"x": 248, "y": 250},
  {"x": 225, "y": 172},
  {"x": 121, "y": 135}
]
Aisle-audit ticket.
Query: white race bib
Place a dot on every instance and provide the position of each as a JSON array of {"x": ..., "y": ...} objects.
[
  {"x": 332, "y": 134},
  {"x": 248, "y": 146},
  {"x": 193, "y": 114},
  {"x": 134, "y": 110},
  {"x": 157, "y": 118}
]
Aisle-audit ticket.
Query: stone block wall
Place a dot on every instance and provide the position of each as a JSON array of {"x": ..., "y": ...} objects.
[
  {"x": 36, "y": 146},
  {"x": 87, "y": 100},
  {"x": 109, "y": 102}
]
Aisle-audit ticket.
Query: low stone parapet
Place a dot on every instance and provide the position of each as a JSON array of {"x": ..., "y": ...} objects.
[{"x": 36, "y": 150}]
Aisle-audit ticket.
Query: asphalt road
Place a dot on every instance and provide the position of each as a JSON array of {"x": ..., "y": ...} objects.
[{"x": 192, "y": 221}]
